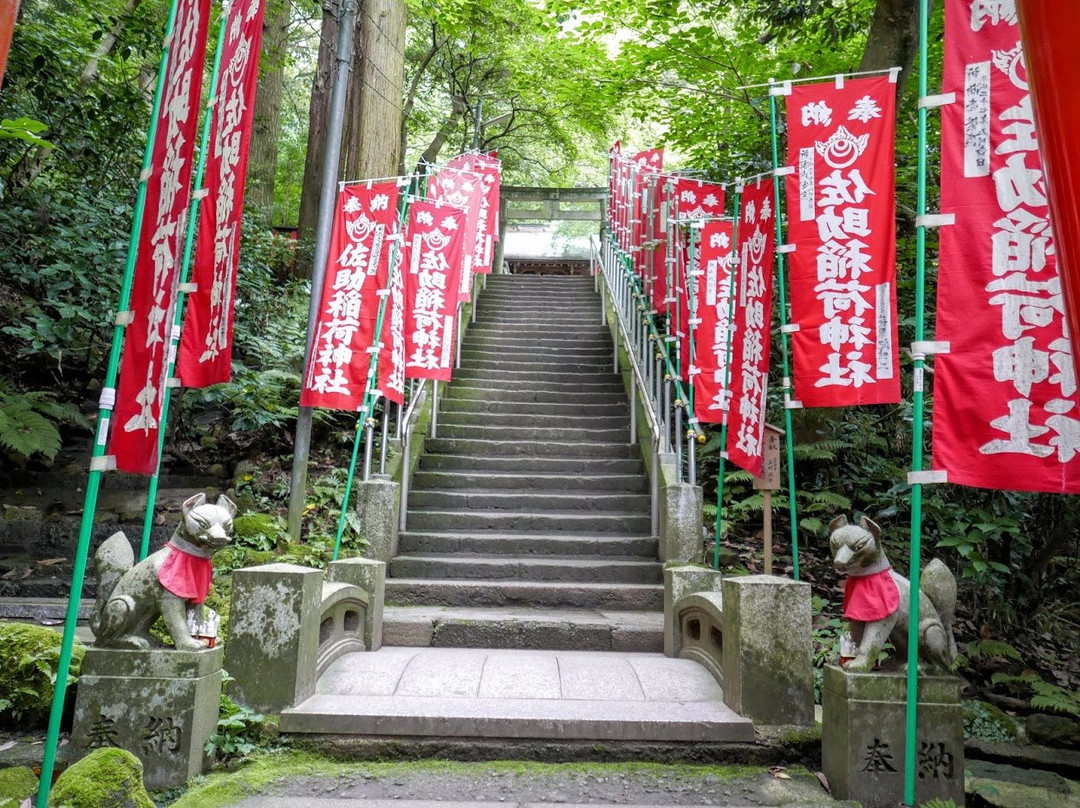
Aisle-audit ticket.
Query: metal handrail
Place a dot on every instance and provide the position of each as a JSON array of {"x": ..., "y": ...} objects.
[{"x": 416, "y": 402}]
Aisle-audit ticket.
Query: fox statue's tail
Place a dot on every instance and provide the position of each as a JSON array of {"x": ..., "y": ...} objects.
[
  {"x": 939, "y": 585},
  {"x": 112, "y": 559}
]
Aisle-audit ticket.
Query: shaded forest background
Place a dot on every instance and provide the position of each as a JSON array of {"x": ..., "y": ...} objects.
[{"x": 558, "y": 81}]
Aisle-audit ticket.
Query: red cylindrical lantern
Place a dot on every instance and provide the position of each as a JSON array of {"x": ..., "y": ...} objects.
[{"x": 1051, "y": 32}]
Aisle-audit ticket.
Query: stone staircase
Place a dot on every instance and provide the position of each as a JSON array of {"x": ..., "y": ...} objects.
[{"x": 529, "y": 522}]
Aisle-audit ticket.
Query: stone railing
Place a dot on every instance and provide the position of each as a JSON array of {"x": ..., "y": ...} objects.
[
  {"x": 752, "y": 633},
  {"x": 288, "y": 624}
]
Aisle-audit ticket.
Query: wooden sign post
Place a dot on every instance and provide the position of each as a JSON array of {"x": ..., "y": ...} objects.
[{"x": 768, "y": 482}]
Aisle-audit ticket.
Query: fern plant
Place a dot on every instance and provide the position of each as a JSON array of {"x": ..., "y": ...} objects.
[
  {"x": 29, "y": 423},
  {"x": 1044, "y": 695}
]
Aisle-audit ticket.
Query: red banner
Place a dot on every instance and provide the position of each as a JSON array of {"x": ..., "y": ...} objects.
[
  {"x": 1005, "y": 413},
  {"x": 365, "y": 222},
  {"x": 206, "y": 346},
  {"x": 711, "y": 319},
  {"x": 842, "y": 223},
  {"x": 465, "y": 190},
  {"x": 753, "y": 326},
  {"x": 391, "y": 381},
  {"x": 695, "y": 199},
  {"x": 137, "y": 416},
  {"x": 433, "y": 245},
  {"x": 488, "y": 169}
]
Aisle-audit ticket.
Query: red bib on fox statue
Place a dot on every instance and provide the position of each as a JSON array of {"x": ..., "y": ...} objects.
[
  {"x": 187, "y": 575},
  {"x": 871, "y": 597}
]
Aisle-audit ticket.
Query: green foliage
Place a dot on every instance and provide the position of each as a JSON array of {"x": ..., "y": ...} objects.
[
  {"x": 827, "y": 631},
  {"x": 28, "y": 423},
  {"x": 240, "y": 731},
  {"x": 29, "y": 657},
  {"x": 259, "y": 531},
  {"x": 1044, "y": 695},
  {"x": 24, "y": 129},
  {"x": 987, "y": 722}
]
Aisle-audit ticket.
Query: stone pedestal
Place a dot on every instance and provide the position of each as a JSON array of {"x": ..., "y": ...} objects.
[
  {"x": 274, "y": 635},
  {"x": 678, "y": 582},
  {"x": 863, "y": 733},
  {"x": 680, "y": 523},
  {"x": 160, "y": 705},
  {"x": 768, "y": 650},
  {"x": 378, "y": 504}
]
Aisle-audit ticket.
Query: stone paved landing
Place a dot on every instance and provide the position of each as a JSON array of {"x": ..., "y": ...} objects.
[{"x": 462, "y": 692}]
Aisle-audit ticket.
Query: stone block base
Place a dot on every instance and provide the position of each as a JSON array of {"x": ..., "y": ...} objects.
[
  {"x": 863, "y": 733},
  {"x": 160, "y": 705}
]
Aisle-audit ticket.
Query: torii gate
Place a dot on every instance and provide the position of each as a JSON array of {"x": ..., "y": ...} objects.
[{"x": 525, "y": 204}]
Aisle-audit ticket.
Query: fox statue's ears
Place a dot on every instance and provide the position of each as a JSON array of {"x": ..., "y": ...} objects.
[
  {"x": 200, "y": 499},
  {"x": 870, "y": 527},
  {"x": 837, "y": 523}
]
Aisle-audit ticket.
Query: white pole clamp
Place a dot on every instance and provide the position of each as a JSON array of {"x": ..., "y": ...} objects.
[
  {"x": 935, "y": 101},
  {"x": 930, "y": 477},
  {"x": 935, "y": 220}
]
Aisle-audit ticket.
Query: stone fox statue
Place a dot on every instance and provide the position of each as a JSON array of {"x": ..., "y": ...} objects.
[
  {"x": 877, "y": 599},
  {"x": 131, "y": 596}
]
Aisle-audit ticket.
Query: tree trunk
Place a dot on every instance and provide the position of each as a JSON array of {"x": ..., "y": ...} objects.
[
  {"x": 318, "y": 113},
  {"x": 431, "y": 153},
  {"x": 108, "y": 42},
  {"x": 370, "y": 140},
  {"x": 266, "y": 128},
  {"x": 893, "y": 39}
]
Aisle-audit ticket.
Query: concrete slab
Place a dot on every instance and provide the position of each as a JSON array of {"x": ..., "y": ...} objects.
[
  {"x": 442, "y": 673},
  {"x": 470, "y": 693}
]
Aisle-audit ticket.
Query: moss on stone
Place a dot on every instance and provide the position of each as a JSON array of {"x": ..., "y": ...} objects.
[
  {"x": 987, "y": 721},
  {"x": 29, "y": 657},
  {"x": 106, "y": 778},
  {"x": 16, "y": 784}
]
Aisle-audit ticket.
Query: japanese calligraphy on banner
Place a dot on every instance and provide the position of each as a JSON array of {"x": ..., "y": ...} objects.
[
  {"x": 137, "y": 416},
  {"x": 465, "y": 190},
  {"x": 712, "y": 296},
  {"x": 206, "y": 345},
  {"x": 433, "y": 244},
  {"x": 391, "y": 381},
  {"x": 1005, "y": 406},
  {"x": 753, "y": 318},
  {"x": 841, "y": 221},
  {"x": 365, "y": 226},
  {"x": 488, "y": 169}
]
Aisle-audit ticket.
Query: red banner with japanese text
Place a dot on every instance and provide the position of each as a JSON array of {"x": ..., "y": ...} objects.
[
  {"x": 646, "y": 166},
  {"x": 143, "y": 370},
  {"x": 489, "y": 170},
  {"x": 712, "y": 318},
  {"x": 205, "y": 356},
  {"x": 391, "y": 381},
  {"x": 361, "y": 246},
  {"x": 461, "y": 189},
  {"x": 663, "y": 230},
  {"x": 433, "y": 245},
  {"x": 1005, "y": 404},
  {"x": 753, "y": 322},
  {"x": 842, "y": 224},
  {"x": 692, "y": 200}
]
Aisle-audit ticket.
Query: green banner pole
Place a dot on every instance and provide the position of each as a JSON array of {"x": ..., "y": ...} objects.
[
  {"x": 736, "y": 266},
  {"x": 367, "y": 408},
  {"x": 917, "y": 426},
  {"x": 691, "y": 296},
  {"x": 185, "y": 271},
  {"x": 97, "y": 455},
  {"x": 780, "y": 277}
]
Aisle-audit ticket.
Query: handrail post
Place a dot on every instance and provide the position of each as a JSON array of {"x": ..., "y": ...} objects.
[
  {"x": 433, "y": 428},
  {"x": 654, "y": 490},
  {"x": 369, "y": 440},
  {"x": 633, "y": 407},
  {"x": 385, "y": 432}
]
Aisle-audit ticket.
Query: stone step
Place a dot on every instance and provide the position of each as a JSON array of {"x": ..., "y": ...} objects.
[
  {"x": 529, "y": 521},
  {"x": 564, "y": 544},
  {"x": 510, "y": 378},
  {"x": 527, "y": 568},
  {"x": 592, "y": 483},
  {"x": 581, "y": 385},
  {"x": 600, "y": 355},
  {"x": 540, "y": 330},
  {"x": 418, "y": 592},
  {"x": 479, "y": 415},
  {"x": 539, "y": 364},
  {"x": 505, "y": 433},
  {"x": 529, "y": 465},
  {"x": 529, "y": 500},
  {"x": 549, "y": 409},
  {"x": 530, "y": 448},
  {"x": 546, "y": 395},
  {"x": 509, "y": 338},
  {"x": 528, "y": 628}
]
